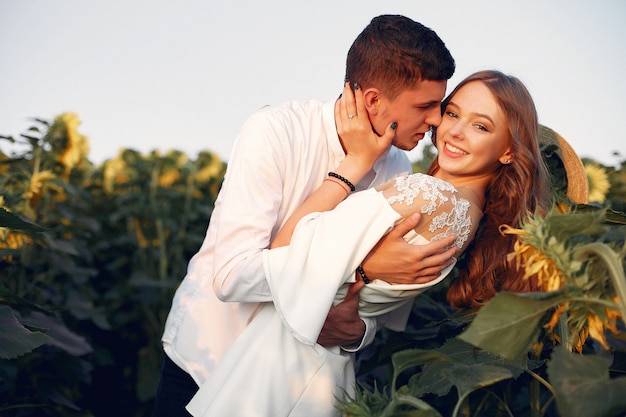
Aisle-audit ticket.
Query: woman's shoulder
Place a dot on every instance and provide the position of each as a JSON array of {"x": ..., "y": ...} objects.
[
  {"x": 422, "y": 186},
  {"x": 445, "y": 209}
]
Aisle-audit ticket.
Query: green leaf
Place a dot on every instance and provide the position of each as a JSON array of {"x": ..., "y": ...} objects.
[
  {"x": 18, "y": 303},
  {"x": 439, "y": 378},
  {"x": 409, "y": 358},
  {"x": 564, "y": 226},
  {"x": 62, "y": 246},
  {"x": 399, "y": 407},
  {"x": 15, "y": 339},
  {"x": 467, "y": 368},
  {"x": 471, "y": 378},
  {"x": 610, "y": 216},
  {"x": 583, "y": 385},
  {"x": 466, "y": 353},
  {"x": 12, "y": 221},
  {"x": 509, "y": 323},
  {"x": 62, "y": 336},
  {"x": 365, "y": 403}
]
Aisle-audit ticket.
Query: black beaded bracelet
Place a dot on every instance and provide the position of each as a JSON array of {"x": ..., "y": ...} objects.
[
  {"x": 361, "y": 272},
  {"x": 342, "y": 179}
]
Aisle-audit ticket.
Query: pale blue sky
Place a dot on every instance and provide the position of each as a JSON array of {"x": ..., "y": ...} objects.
[{"x": 185, "y": 74}]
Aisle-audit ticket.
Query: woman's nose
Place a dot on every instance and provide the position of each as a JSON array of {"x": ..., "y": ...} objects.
[{"x": 456, "y": 130}]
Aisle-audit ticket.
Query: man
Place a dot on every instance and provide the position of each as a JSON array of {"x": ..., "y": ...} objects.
[{"x": 281, "y": 155}]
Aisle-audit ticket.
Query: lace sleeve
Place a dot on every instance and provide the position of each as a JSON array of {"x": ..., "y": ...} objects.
[{"x": 444, "y": 211}]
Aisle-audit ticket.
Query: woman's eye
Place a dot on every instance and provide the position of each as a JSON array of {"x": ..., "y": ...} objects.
[
  {"x": 451, "y": 114},
  {"x": 481, "y": 127}
]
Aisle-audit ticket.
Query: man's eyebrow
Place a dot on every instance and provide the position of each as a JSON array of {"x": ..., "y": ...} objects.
[{"x": 429, "y": 103}]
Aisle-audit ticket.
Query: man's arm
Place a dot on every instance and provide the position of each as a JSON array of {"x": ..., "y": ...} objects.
[
  {"x": 246, "y": 212},
  {"x": 344, "y": 326},
  {"x": 362, "y": 146}
]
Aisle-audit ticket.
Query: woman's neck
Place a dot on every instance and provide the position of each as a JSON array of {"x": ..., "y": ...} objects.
[{"x": 473, "y": 187}]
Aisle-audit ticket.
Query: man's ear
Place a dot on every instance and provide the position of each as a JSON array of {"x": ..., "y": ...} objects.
[{"x": 371, "y": 99}]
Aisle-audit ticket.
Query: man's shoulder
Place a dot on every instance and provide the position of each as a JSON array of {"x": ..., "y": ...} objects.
[
  {"x": 392, "y": 164},
  {"x": 397, "y": 161},
  {"x": 397, "y": 154},
  {"x": 310, "y": 117},
  {"x": 288, "y": 125}
]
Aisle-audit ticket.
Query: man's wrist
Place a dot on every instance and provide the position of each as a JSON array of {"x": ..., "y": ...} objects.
[{"x": 366, "y": 338}]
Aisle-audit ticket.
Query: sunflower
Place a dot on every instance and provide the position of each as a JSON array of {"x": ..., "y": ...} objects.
[
  {"x": 536, "y": 263},
  {"x": 599, "y": 184},
  {"x": 547, "y": 251},
  {"x": 10, "y": 239},
  {"x": 168, "y": 178},
  {"x": 209, "y": 171},
  {"x": 36, "y": 187},
  {"x": 77, "y": 145},
  {"x": 114, "y": 173},
  {"x": 4, "y": 165}
]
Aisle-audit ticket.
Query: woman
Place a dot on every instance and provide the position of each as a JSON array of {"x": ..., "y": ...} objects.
[
  {"x": 511, "y": 194},
  {"x": 487, "y": 142}
]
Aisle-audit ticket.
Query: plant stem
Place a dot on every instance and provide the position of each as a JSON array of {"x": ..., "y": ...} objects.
[
  {"x": 154, "y": 183},
  {"x": 534, "y": 397},
  {"x": 563, "y": 330},
  {"x": 415, "y": 402},
  {"x": 614, "y": 266},
  {"x": 542, "y": 381}
]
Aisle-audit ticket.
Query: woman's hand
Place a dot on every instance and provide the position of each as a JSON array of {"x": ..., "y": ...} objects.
[{"x": 359, "y": 140}]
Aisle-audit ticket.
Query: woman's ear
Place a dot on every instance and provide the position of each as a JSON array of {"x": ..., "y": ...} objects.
[
  {"x": 507, "y": 157},
  {"x": 371, "y": 99}
]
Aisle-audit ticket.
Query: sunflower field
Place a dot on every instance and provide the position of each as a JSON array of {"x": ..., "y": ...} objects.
[{"x": 90, "y": 257}]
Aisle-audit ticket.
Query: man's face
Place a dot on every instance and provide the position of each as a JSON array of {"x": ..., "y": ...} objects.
[{"x": 415, "y": 110}]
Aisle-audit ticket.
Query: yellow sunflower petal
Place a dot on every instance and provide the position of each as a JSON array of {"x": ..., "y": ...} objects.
[
  {"x": 554, "y": 320},
  {"x": 77, "y": 146},
  {"x": 596, "y": 330},
  {"x": 599, "y": 183}
]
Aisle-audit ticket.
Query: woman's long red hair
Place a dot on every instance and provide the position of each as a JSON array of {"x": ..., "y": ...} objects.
[{"x": 515, "y": 191}]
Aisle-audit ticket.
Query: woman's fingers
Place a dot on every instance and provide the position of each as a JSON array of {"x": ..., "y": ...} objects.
[
  {"x": 348, "y": 102},
  {"x": 354, "y": 128}
]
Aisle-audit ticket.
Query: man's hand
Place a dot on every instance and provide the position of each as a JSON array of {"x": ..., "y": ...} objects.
[
  {"x": 396, "y": 261},
  {"x": 343, "y": 325}
]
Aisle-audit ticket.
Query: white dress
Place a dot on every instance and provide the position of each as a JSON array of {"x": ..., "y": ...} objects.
[{"x": 276, "y": 368}]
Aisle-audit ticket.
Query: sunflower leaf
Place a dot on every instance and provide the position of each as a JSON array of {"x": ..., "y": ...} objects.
[
  {"x": 12, "y": 221},
  {"x": 583, "y": 385},
  {"x": 509, "y": 323}
]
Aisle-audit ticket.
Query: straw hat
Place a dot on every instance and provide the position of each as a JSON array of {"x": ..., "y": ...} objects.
[{"x": 577, "y": 184}]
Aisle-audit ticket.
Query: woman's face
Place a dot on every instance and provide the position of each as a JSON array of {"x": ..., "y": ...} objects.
[{"x": 473, "y": 138}]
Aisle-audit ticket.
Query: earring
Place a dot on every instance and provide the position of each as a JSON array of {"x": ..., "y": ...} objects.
[{"x": 507, "y": 161}]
